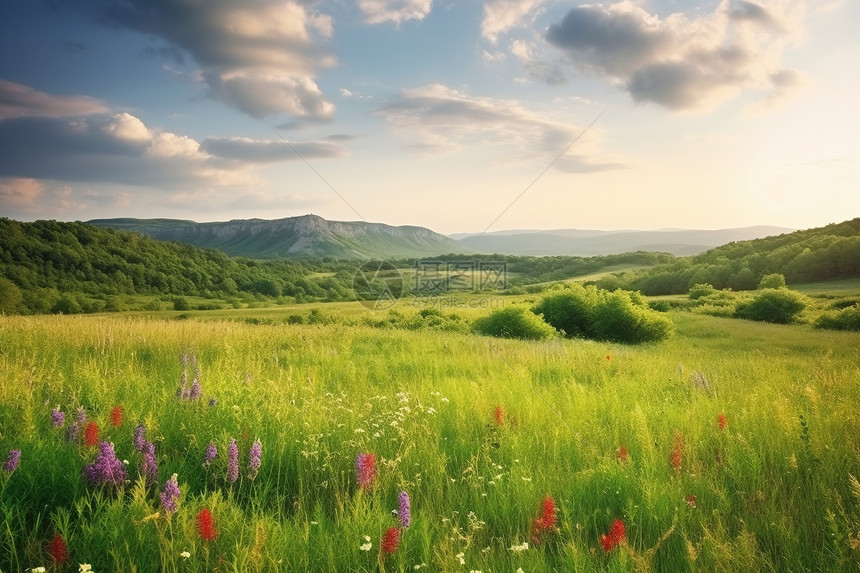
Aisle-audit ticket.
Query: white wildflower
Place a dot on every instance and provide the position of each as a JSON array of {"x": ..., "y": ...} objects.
[
  {"x": 462, "y": 557},
  {"x": 367, "y": 544},
  {"x": 518, "y": 548},
  {"x": 185, "y": 554}
]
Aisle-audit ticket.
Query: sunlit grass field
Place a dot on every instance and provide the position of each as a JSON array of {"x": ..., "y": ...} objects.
[{"x": 742, "y": 441}]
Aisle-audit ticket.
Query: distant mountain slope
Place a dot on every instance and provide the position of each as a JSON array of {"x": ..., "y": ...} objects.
[
  {"x": 585, "y": 243},
  {"x": 308, "y": 236}
]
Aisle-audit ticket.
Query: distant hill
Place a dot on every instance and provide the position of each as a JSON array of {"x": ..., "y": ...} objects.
[
  {"x": 819, "y": 254},
  {"x": 584, "y": 243},
  {"x": 307, "y": 236}
]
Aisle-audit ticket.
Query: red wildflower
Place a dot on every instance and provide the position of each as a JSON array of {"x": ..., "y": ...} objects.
[
  {"x": 391, "y": 540},
  {"x": 722, "y": 422},
  {"x": 499, "y": 415},
  {"x": 91, "y": 435},
  {"x": 607, "y": 357},
  {"x": 677, "y": 450},
  {"x": 116, "y": 416},
  {"x": 205, "y": 527},
  {"x": 621, "y": 454},
  {"x": 615, "y": 537},
  {"x": 691, "y": 500},
  {"x": 58, "y": 550},
  {"x": 365, "y": 470},
  {"x": 546, "y": 521}
]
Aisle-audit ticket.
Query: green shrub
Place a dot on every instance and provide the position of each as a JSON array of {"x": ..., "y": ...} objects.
[
  {"x": 774, "y": 280},
  {"x": 571, "y": 311},
  {"x": 780, "y": 306},
  {"x": 620, "y": 317},
  {"x": 846, "y": 319},
  {"x": 181, "y": 303},
  {"x": 514, "y": 321},
  {"x": 10, "y": 297},
  {"x": 589, "y": 312},
  {"x": 699, "y": 290}
]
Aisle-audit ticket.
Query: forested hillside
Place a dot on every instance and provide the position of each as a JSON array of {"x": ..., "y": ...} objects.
[
  {"x": 819, "y": 254},
  {"x": 52, "y": 266}
]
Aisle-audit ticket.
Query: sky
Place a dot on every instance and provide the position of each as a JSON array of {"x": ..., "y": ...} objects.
[{"x": 459, "y": 116}]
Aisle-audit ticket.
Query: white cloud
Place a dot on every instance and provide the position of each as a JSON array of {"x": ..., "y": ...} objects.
[
  {"x": 502, "y": 15},
  {"x": 679, "y": 62},
  {"x": 397, "y": 11},
  {"x": 260, "y": 57},
  {"x": 17, "y": 100},
  {"x": 436, "y": 119},
  {"x": 248, "y": 150}
]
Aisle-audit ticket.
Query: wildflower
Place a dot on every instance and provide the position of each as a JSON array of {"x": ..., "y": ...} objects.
[
  {"x": 213, "y": 402},
  {"x": 255, "y": 458},
  {"x": 205, "y": 527},
  {"x": 106, "y": 469},
  {"x": 232, "y": 461},
  {"x": 608, "y": 358},
  {"x": 58, "y": 417},
  {"x": 677, "y": 450},
  {"x": 390, "y": 540},
  {"x": 621, "y": 454},
  {"x": 85, "y": 568},
  {"x": 116, "y": 416},
  {"x": 722, "y": 422},
  {"x": 58, "y": 550},
  {"x": 170, "y": 495},
  {"x": 499, "y": 415},
  {"x": 38, "y": 570},
  {"x": 12, "y": 461},
  {"x": 615, "y": 537},
  {"x": 195, "y": 391},
  {"x": 182, "y": 391},
  {"x": 546, "y": 521},
  {"x": 185, "y": 554},
  {"x": 519, "y": 548},
  {"x": 403, "y": 511},
  {"x": 75, "y": 427},
  {"x": 365, "y": 469},
  {"x": 691, "y": 500},
  {"x": 91, "y": 435},
  {"x": 139, "y": 437},
  {"x": 366, "y": 545},
  {"x": 211, "y": 454},
  {"x": 148, "y": 464}
]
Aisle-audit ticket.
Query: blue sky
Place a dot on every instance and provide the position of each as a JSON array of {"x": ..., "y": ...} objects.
[{"x": 458, "y": 116}]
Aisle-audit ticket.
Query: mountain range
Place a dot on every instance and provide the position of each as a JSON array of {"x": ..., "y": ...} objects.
[{"x": 311, "y": 236}]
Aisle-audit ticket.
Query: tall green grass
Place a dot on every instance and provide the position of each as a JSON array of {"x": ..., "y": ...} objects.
[{"x": 767, "y": 493}]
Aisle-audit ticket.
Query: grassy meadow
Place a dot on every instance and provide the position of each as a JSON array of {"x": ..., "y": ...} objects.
[{"x": 732, "y": 446}]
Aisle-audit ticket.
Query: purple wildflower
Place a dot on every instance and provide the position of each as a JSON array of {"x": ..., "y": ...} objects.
[
  {"x": 255, "y": 458},
  {"x": 211, "y": 454},
  {"x": 106, "y": 469},
  {"x": 182, "y": 391},
  {"x": 232, "y": 461},
  {"x": 58, "y": 417},
  {"x": 148, "y": 464},
  {"x": 170, "y": 495},
  {"x": 139, "y": 437},
  {"x": 403, "y": 511},
  {"x": 195, "y": 391},
  {"x": 75, "y": 427},
  {"x": 12, "y": 461},
  {"x": 213, "y": 402}
]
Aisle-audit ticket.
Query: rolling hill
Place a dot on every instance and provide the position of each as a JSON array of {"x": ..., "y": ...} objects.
[
  {"x": 307, "y": 236},
  {"x": 584, "y": 243}
]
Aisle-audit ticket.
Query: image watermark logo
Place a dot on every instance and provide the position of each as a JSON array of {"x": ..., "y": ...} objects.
[{"x": 377, "y": 285}]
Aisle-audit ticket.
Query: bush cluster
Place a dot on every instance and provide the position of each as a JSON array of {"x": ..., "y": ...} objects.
[
  {"x": 778, "y": 305},
  {"x": 514, "y": 321},
  {"x": 845, "y": 319}
]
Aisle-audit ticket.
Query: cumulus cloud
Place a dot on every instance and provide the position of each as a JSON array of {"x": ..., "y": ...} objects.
[
  {"x": 260, "y": 57},
  {"x": 678, "y": 62},
  {"x": 120, "y": 148},
  {"x": 29, "y": 197},
  {"x": 18, "y": 100},
  {"x": 397, "y": 11},
  {"x": 502, "y": 15},
  {"x": 437, "y": 119}
]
